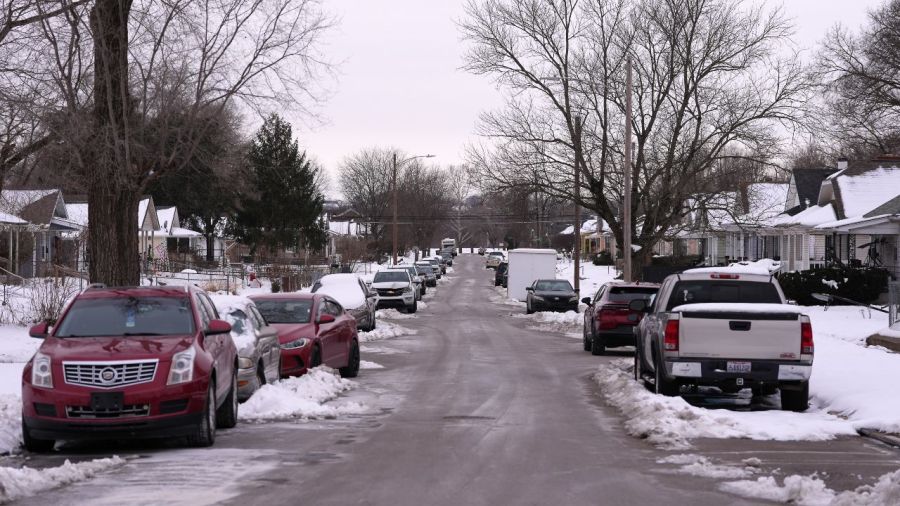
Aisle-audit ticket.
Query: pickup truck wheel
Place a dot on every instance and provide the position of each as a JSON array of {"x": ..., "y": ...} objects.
[
  {"x": 412, "y": 309},
  {"x": 35, "y": 445},
  {"x": 226, "y": 416},
  {"x": 795, "y": 397},
  {"x": 528, "y": 309},
  {"x": 352, "y": 369},
  {"x": 661, "y": 384},
  {"x": 205, "y": 432}
]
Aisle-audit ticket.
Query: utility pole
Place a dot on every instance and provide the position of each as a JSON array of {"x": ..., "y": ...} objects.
[
  {"x": 626, "y": 212},
  {"x": 577, "y": 256},
  {"x": 394, "y": 205}
]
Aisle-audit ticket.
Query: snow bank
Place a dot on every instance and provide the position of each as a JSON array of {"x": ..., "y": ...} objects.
[
  {"x": 570, "y": 321},
  {"x": 300, "y": 397},
  {"x": 16, "y": 345},
  {"x": 812, "y": 491},
  {"x": 670, "y": 422},
  {"x": 393, "y": 314},
  {"x": 385, "y": 330},
  {"x": 698, "y": 465},
  {"x": 10, "y": 423},
  {"x": 365, "y": 364},
  {"x": 16, "y": 483}
]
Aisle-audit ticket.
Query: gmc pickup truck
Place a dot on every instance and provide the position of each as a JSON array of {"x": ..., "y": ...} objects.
[{"x": 724, "y": 327}]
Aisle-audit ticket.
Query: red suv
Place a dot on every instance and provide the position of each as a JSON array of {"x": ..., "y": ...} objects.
[
  {"x": 131, "y": 362},
  {"x": 608, "y": 322},
  {"x": 313, "y": 329}
]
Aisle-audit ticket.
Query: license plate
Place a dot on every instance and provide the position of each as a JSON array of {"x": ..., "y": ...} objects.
[
  {"x": 107, "y": 401},
  {"x": 738, "y": 366}
]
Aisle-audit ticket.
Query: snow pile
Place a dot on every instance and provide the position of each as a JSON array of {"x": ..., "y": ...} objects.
[
  {"x": 10, "y": 423},
  {"x": 365, "y": 364},
  {"x": 17, "y": 345},
  {"x": 698, "y": 465},
  {"x": 393, "y": 314},
  {"x": 385, "y": 330},
  {"x": 300, "y": 397},
  {"x": 16, "y": 483},
  {"x": 812, "y": 491},
  {"x": 567, "y": 322},
  {"x": 670, "y": 422}
]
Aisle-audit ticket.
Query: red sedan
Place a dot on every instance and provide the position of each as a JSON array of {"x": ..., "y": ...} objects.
[{"x": 313, "y": 329}]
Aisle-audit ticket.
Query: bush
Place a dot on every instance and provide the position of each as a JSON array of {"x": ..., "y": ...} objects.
[
  {"x": 861, "y": 285},
  {"x": 684, "y": 262},
  {"x": 276, "y": 285},
  {"x": 47, "y": 299},
  {"x": 603, "y": 258}
]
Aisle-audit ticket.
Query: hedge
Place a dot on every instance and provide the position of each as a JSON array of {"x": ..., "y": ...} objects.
[{"x": 861, "y": 285}]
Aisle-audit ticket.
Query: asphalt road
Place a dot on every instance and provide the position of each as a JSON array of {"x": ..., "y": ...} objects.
[{"x": 475, "y": 408}]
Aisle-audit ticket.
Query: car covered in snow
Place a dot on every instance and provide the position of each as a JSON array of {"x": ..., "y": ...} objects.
[
  {"x": 153, "y": 362},
  {"x": 550, "y": 295},
  {"x": 725, "y": 327},
  {"x": 259, "y": 355},
  {"x": 313, "y": 329},
  {"x": 353, "y": 295},
  {"x": 608, "y": 321},
  {"x": 395, "y": 289}
]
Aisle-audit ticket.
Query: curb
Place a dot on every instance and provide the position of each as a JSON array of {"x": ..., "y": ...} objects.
[
  {"x": 891, "y": 343},
  {"x": 884, "y": 437}
]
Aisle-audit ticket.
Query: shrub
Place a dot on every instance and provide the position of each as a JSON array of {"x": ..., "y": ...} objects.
[
  {"x": 47, "y": 298},
  {"x": 276, "y": 285},
  {"x": 603, "y": 258},
  {"x": 861, "y": 285}
]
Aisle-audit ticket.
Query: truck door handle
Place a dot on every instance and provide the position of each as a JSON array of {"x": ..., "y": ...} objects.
[{"x": 741, "y": 326}]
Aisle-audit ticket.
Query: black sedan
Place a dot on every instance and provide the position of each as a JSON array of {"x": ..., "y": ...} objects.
[{"x": 551, "y": 295}]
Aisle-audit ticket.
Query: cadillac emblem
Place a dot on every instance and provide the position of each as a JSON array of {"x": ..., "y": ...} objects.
[{"x": 107, "y": 375}]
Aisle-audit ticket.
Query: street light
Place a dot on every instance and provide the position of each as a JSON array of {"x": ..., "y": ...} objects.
[{"x": 394, "y": 191}]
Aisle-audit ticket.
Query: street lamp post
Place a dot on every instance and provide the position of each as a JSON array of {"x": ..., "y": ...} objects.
[{"x": 394, "y": 198}]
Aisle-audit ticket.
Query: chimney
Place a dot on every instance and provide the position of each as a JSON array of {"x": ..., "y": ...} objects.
[{"x": 842, "y": 163}]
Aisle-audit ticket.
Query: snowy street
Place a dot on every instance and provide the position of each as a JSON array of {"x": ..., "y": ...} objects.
[{"x": 466, "y": 404}]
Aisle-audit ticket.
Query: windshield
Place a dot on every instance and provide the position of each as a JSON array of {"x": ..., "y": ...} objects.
[
  {"x": 285, "y": 311},
  {"x": 554, "y": 286},
  {"x": 496, "y": 253},
  {"x": 630, "y": 293},
  {"x": 423, "y": 269},
  {"x": 391, "y": 276},
  {"x": 128, "y": 316},
  {"x": 695, "y": 292}
]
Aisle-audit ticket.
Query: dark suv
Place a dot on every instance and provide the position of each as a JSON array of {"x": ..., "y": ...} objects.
[
  {"x": 501, "y": 276},
  {"x": 608, "y": 322},
  {"x": 131, "y": 362}
]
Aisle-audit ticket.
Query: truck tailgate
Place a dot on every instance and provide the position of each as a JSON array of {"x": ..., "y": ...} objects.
[{"x": 738, "y": 335}]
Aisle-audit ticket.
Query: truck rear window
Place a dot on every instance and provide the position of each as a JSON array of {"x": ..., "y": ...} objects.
[{"x": 702, "y": 291}]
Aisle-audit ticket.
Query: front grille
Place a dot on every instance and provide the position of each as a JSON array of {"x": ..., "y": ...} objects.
[
  {"x": 128, "y": 410},
  {"x": 389, "y": 292},
  {"x": 110, "y": 374}
]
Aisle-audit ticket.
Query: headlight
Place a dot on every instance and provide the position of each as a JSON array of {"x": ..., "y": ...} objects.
[
  {"x": 538, "y": 297},
  {"x": 41, "y": 373},
  {"x": 244, "y": 363},
  {"x": 573, "y": 299},
  {"x": 408, "y": 289},
  {"x": 182, "y": 368},
  {"x": 293, "y": 345}
]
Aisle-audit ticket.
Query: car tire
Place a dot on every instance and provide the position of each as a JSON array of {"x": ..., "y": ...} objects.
[
  {"x": 35, "y": 445},
  {"x": 374, "y": 319},
  {"x": 638, "y": 367},
  {"x": 352, "y": 369},
  {"x": 412, "y": 309},
  {"x": 663, "y": 386},
  {"x": 795, "y": 397},
  {"x": 205, "y": 431},
  {"x": 528, "y": 309},
  {"x": 226, "y": 416},
  {"x": 598, "y": 345},
  {"x": 585, "y": 340},
  {"x": 316, "y": 359}
]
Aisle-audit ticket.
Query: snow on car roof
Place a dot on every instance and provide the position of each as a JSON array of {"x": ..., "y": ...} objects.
[
  {"x": 335, "y": 279},
  {"x": 347, "y": 292}
]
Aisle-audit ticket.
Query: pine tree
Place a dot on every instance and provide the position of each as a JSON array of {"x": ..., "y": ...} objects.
[{"x": 281, "y": 206}]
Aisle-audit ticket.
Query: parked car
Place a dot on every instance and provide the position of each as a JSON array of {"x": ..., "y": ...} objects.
[
  {"x": 493, "y": 259},
  {"x": 482, "y": 251},
  {"x": 447, "y": 257},
  {"x": 501, "y": 276},
  {"x": 418, "y": 280},
  {"x": 608, "y": 321},
  {"x": 442, "y": 263},
  {"x": 313, "y": 329},
  {"x": 131, "y": 362},
  {"x": 550, "y": 295},
  {"x": 728, "y": 328},
  {"x": 395, "y": 290},
  {"x": 424, "y": 268},
  {"x": 259, "y": 355},
  {"x": 436, "y": 266},
  {"x": 353, "y": 295}
]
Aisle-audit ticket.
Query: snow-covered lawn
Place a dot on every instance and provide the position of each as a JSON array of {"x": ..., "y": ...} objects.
[
  {"x": 592, "y": 276},
  {"x": 302, "y": 397},
  {"x": 16, "y": 483}
]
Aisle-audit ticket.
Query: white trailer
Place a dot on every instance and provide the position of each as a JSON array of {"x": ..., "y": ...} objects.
[{"x": 527, "y": 265}]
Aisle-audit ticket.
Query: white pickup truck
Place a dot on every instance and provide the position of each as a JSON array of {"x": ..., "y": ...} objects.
[{"x": 724, "y": 327}]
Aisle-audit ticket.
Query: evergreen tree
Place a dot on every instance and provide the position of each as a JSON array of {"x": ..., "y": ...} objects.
[{"x": 282, "y": 205}]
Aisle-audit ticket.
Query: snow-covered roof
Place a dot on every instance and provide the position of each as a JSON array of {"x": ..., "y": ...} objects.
[
  {"x": 588, "y": 227},
  {"x": 11, "y": 219},
  {"x": 809, "y": 217},
  {"x": 860, "y": 193},
  {"x": 147, "y": 220},
  {"x": 78, "y": 213},
  {"x": 168, "y": 218},
  {"x": 178, "y": 232}
]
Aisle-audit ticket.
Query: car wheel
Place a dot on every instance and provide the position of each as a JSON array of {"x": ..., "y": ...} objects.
[
  {"x": 205, "y": 432},
  {"x": 35, "y": 445},
  {"x": 638, "y": 372},
  {"x": 372, "y": 326},
  {"x": 598, "y": 345},
  {"x": 316, "y": 359},
  {"x": 352, "y": 369},
  {"x": 226, "y": 416},
  {"x": 585, "y": 340},
  {"x": 528, "y": 309},
  {"x": 412, "y": 309},
  {"x": 795, "y": 397},
  {"x": 663, "y": 386}
]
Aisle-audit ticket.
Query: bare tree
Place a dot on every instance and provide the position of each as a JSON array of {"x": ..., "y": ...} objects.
[
  {"x": 365, "y": 180},
  {"x": 708, "y": 86}
]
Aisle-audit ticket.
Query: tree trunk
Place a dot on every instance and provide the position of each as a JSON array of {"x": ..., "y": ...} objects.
[
  {"x": 210, "y": 247},
  {"x": 112, "y": 183}
]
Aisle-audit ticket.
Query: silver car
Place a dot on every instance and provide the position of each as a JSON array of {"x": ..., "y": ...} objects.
[{"x": 259, "y": 355}]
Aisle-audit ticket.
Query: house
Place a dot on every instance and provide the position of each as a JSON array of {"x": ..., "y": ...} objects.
[{"x": 39, "y": 244}]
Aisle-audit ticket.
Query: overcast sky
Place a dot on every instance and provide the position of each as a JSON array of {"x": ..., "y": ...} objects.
[{"x": 399, "y": 81}]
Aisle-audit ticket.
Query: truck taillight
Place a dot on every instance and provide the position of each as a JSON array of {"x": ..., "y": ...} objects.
[
  {"x": 806, "y": 336},
  {"x": 670, "y": 338}
]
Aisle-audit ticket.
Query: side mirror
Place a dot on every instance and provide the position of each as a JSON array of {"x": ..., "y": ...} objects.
[
  {"x": 217, "y": 327},
  {"x": 39, "y": 331},
  {"x": 529, "y": 289},
  {"x": 639, "y": 305},
  {"x": 326, "y": 318},
  {"x": 586, "y": 300}
]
